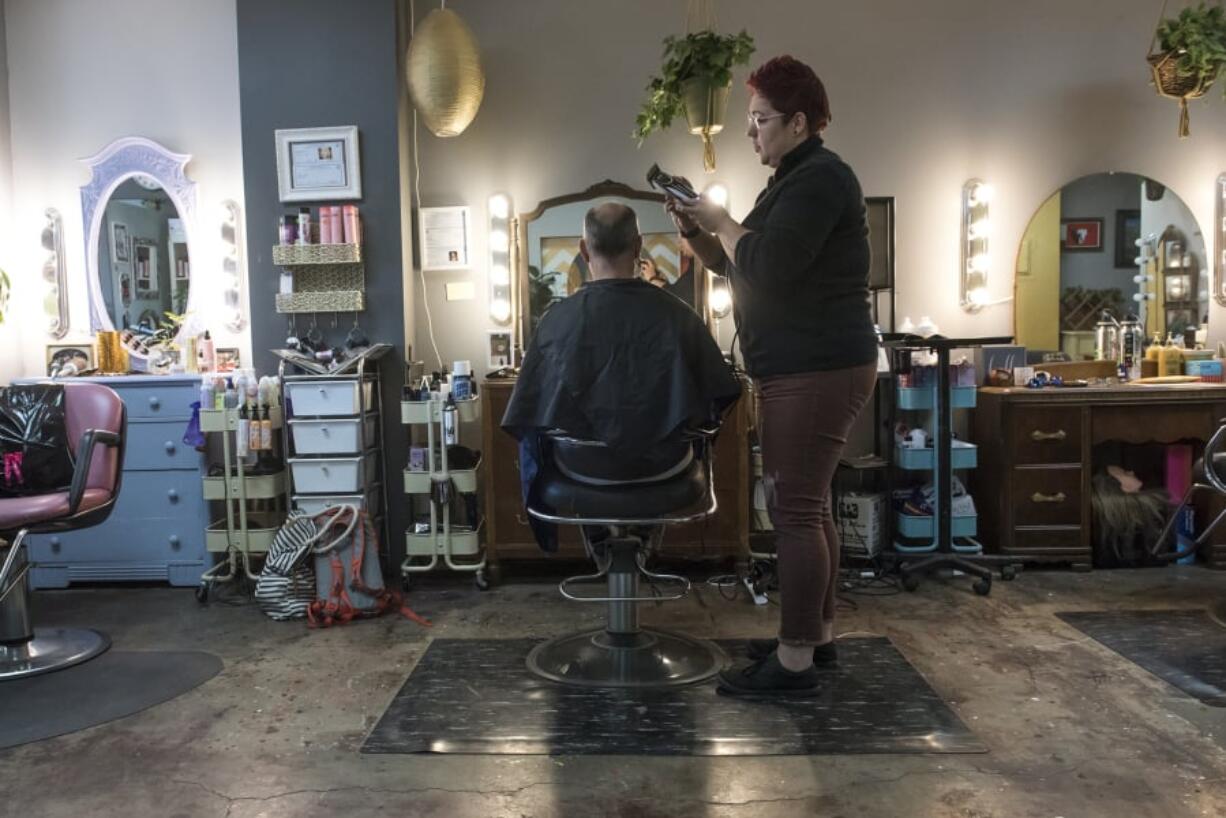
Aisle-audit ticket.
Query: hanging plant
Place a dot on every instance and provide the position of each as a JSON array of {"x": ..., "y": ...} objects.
[
  {"x": 1191, "y": 54},
  {"x": 695, "y": 79}
]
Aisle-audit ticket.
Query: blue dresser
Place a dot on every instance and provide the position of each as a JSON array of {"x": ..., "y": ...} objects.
[{"x": 156, "y": 531}]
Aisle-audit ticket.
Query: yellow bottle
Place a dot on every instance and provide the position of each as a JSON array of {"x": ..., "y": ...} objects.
[
  {"x": 1151, "y": 353},
  {"x": 1170, "y": 361}
]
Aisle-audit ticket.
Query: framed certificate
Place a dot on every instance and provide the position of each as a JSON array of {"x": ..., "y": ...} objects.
[
  {"x": 443, "y": 236},
  {"x": 318, "y": 164}
]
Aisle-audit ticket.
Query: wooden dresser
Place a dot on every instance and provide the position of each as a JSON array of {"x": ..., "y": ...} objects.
[
  {"x": 1036, "y": 447},
  {"x": 509, "y": 537}
]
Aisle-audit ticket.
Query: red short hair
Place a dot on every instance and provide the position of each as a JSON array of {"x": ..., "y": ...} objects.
[{"x": 792, "y": 88}]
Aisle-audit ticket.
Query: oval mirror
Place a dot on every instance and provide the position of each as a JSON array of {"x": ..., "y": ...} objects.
[
  {"x": 143, "y": 265},
  {"x": 1115, "y": 242}
]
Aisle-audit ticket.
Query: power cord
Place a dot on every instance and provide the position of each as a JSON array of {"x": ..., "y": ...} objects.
[{"x": 425, "y": 293}]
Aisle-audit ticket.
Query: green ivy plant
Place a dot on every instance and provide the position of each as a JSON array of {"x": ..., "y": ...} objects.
[
  {"x": 703, "y": 55},
  {"x": 1198, "y": 35}
]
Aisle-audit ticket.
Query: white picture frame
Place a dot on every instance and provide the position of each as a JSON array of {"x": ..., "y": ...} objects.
[
  {"x": 318, "y": 164},
  {"x": 121, "y": 252},
  {"x": 445, "y": 237}
]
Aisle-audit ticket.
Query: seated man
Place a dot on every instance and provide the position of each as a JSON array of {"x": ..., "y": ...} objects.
[{"x": 620, "y": 361}]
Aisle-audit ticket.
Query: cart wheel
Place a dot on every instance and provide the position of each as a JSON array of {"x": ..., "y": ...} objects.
[
  {"x": 1008, "y": 572},
  {"x": 984, "y": 586},
  {"x": 493, "y": 571},
  {"x": 404, "y": 582},
  {"x": 910, "y": 582},
  {"x": 481, "y": 581},
  {"x": 202, "y": 593}
]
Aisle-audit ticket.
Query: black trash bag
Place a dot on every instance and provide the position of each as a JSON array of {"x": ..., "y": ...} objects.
[{"x": 34, "y": 454}]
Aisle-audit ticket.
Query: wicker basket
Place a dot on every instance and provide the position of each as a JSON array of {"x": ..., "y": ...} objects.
[
  {"x": 290, "y": 255},
  {"x": 1170, "y": 83}
]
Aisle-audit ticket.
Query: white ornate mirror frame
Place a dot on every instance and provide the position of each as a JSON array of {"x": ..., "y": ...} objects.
[{"x": 124, "y": 159}]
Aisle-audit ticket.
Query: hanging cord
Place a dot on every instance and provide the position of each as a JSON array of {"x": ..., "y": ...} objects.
[
  {"x": 425, "y": 293},
  {"x": 700, "y": 16}
]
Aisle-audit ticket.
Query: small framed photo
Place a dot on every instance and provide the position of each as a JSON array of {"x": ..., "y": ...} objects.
[
  {"x": 318, "y": 164},
  {"x": 1079, "y": 235},
  {"x": 80, "y": 357},
  {"x": 501, "y": 351},
  {"x": 120, "y": 252},
  {"x": 228, "y": 359},
  {"x": 444, "y": 238}
]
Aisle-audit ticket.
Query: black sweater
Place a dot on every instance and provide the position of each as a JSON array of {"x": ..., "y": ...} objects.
[{"x": 800, "y": 276}]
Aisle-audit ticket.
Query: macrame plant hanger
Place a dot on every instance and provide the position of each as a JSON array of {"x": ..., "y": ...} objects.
[
  {"x": 700, "y": 16},
  {"x": 1169, "y": 82}
]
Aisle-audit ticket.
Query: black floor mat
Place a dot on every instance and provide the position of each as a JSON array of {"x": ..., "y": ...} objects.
[
  {"x": 111, "y": 686},
  {"x": 476, "y": 696},
  {"x": 1184, "y": 648}
]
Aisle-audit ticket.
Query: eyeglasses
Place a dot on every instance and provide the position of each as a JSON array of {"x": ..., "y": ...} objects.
[{"x": 755, "y": 120}]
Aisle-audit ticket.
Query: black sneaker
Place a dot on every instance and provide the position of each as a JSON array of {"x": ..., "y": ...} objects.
[
  {"x": 824, "y": 656},
  {"x": 768, "y": 678}
]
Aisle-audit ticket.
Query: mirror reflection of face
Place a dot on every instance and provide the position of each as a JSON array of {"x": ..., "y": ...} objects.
[{"x": 650, "y": 273}]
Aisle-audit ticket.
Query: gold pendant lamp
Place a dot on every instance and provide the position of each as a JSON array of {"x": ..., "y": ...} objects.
[{"x": 443, "y": 70}]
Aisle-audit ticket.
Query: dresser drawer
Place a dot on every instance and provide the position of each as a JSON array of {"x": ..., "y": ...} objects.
[
  {"x": 159, "y": 400},
  {"x": 1046, "y": 435},
  {"x": 1047, "y": 496},
  {"x": 1054, "y": 541},
  {"x": 153, "y": 446},
  {"x": 158, "y": 541},
  {"x": 159, "y": 495}
]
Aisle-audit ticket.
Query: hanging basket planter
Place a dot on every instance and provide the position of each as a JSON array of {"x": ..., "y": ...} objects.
[
  {"x": 695, "y": 79},
  {"x": 1186, "y": 54},
  {"x": 1169, "y": 82},
  {"x": 706, "y": 107}
]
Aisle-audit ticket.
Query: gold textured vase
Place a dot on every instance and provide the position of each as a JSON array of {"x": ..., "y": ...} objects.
[
  {"x": 706, "y": 106},
  {"x": 444, "y": 74}
]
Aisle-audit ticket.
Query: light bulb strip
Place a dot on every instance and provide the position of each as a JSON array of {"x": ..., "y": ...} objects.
[
  {"x": 500, "y": 296},
  {"x": 1219, "y": 219},
  {"x": 975, "y": 261}
]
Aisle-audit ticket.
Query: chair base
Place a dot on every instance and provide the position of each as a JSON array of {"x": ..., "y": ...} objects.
[
  {"x": 50, "y": 649},
  {"x": 646, "y": 659}
]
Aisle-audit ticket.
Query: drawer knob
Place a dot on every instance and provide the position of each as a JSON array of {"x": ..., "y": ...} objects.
[
  {"x": 170, "y": 447},
  {"x": 154, "y": 403},
  {"x": 173, "y": 495},
  {"x": 1040, "y": 437},
  {"x": 323, "y": 430},
  {"x": 173, "y": 539},
  {"x": 1058, "y": 497},
  {"x": 55, "y": 543}
]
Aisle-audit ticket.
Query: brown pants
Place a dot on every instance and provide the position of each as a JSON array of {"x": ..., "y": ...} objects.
[{"x": 803, "y": 422}]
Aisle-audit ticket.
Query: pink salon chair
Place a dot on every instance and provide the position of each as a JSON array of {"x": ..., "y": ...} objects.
[{"x": 96, "y": 424}]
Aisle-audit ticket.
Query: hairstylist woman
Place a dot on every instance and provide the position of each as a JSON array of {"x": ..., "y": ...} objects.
[{"x": 799, "y": 271}]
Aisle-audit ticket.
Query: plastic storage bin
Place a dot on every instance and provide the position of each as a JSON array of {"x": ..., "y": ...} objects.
[
  {"x": 925, "y": 397},
  {"x": 339, "y": 436},
  {"x": 333, "y": 475},
  {"x": 316, "y": 503},
  {"x": 962, "y": 456},
  {"x": 918, "y": 526},
  {"x": 328, "y": 398}
]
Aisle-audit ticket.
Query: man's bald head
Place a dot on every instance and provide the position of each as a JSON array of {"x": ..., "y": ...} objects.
[{"x": 611, "y": 231}]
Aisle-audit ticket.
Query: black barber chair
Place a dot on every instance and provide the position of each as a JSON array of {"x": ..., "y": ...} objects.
[{"x": 623, "y": 507}]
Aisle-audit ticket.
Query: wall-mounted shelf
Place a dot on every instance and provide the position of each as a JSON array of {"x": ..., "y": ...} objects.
[
  {"x": 294, "y": 255},
  {"x": 327, "y": 277},
  {"x": 333, "y": 301}
]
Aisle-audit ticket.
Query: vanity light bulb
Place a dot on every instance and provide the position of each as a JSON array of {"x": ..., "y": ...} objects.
[
  {"x": 978, "y": 296},
  {"x": 718, "y": 194},
  {"x": 979, "y": 229},
  {"x": 721, "y": 300},
  {"x": 981, "y": 195},
  {"x": 500, "y": 276},
  {"x": 500, "y": 309},
  {"x": 500, "y": 207},
  {"x": 978, "y": 263},
  {"x": 499, "y": 242}
]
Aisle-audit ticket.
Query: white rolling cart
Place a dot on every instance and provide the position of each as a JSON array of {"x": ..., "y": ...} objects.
[{"x": 441, "y": 487}]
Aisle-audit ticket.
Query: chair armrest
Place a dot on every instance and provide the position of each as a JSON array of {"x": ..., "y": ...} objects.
[{"x": 85, "y": 457}]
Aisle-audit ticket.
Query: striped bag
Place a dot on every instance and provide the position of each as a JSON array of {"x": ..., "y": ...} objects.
[{"x": 286, "y": 587}]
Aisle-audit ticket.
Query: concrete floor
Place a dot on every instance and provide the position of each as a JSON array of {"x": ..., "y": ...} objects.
[{"x": 1073, "y": 729}]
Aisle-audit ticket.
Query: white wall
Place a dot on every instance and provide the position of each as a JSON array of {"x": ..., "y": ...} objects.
[
  {"x": 925, "y": 95},
  {"x": 10, "y": 336},
  {"x": 84, "y": 73}
]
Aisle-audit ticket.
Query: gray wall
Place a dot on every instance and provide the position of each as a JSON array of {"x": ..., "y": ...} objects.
[
  {"x": 309, "y": 64},
  {"x": 10, "y": 338},
  {"x": 1098, "y": 197}
]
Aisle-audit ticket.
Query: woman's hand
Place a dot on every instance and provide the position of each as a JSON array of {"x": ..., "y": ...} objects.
[
  {"x": 704, "y": 213},
  {"x": 684, "y": 223}
]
